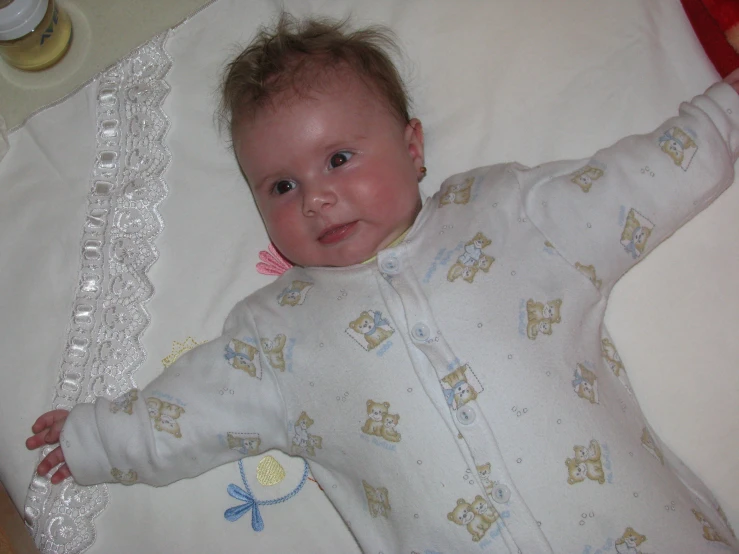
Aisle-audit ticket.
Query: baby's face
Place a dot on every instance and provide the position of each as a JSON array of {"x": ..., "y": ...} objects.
[{"x": 334, "y": 174}]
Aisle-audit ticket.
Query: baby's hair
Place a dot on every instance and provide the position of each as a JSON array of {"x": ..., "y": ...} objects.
[{"x": 298, "y": 55}]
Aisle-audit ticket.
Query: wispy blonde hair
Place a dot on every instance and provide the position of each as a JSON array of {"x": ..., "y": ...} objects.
[{"x": 299, "y": 55}]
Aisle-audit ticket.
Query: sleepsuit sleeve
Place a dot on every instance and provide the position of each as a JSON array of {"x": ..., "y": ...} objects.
[
  {"x": 605, "y": 213},
  {"x": 217, "y": 403}
]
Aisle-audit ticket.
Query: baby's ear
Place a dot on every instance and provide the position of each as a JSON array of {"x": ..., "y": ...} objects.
[{"x": 414, "y": 140}]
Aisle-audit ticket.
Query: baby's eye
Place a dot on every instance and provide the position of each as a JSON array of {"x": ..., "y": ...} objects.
[
  {"x": 340, "y": 158},
  {"x": 283, "y": 186}
]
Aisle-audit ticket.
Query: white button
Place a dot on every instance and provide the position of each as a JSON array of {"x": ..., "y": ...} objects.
[
  {"x": 420, "y": 332},
  {"x": 466, "y": 415},
  {"x": 390, "y": 264},
  {"x": 501, "y": 494}
]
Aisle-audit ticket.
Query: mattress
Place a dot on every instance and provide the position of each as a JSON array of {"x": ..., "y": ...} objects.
[{"x": 127, "y": 233}]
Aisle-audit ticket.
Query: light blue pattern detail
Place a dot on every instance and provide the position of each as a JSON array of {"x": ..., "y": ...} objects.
[{"x": 251, "y": 503}]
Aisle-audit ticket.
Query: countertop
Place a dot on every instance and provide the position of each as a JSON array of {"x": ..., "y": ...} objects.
[{"x": 104, "y": 31}]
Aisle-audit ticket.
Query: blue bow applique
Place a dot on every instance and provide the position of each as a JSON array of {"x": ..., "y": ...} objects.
[{"x": 250, "y": 503}]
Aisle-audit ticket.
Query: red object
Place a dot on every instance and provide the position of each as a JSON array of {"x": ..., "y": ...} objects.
[{"x": 713, "y": 21}]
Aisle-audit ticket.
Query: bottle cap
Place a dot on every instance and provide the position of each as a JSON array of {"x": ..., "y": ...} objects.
[{"x": 20, "y": 17}]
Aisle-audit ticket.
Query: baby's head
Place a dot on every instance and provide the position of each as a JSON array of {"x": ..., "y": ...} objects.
[{"x": 319, "y": 121}]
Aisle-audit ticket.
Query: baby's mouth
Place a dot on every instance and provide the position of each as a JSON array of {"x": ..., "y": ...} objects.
[{"x": 336, "y": 233}]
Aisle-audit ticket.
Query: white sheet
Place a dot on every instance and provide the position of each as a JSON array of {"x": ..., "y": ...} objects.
[{"x": 526, "y": 80}]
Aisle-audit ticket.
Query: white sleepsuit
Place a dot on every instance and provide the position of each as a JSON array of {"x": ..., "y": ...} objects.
[{"x": 459, "y": 393}]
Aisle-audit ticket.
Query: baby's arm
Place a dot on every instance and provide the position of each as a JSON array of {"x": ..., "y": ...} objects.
[
  {"x": 47, "y": 430},
  {"x": 607, "y": 212},
  {"x": 216, "y": 404}
]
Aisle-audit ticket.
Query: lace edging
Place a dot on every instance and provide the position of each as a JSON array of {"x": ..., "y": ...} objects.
[{"x": 103, "y": 348}]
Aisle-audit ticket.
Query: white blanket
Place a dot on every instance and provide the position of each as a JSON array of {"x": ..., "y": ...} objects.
[{"x": 125, "y": 226}]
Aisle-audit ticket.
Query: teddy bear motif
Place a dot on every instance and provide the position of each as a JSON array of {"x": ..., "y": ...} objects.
[
  {"x": 294, "y": 295},
  {"x": 709, "y": 532},
  {"x": 589, "y": 272},
  {"x": 303, "y": 442},
  {"x": 246, "y": 443},
  {"x": 636, "y": 233},
  {"x": 679, "y": 145},
  {"x": 585, "y": 384},
  {"x": 370, "y": 329},
  {"x": 648, "y": 442},
  {"x": 484, "y": 471},
  {"x": 460, "y": 386},
  {"x": 608, "y": 349},
  {"x": 272, "y": 349},
  {"x": 165, "y": 415},
  {"x": 586, "y": 463},
  {"x": 472, "y": 260},
  {"x": 585, "y": 176},
  {"x": 464, "y": 515},
  {"x": 629, "y": 542},
  {"x": 455, "y": 193},
  {"x": 380, "y": 422},
  {"x": 541, "y": 317},
  {"x": 378, "y": 500},
  {"x": 243, "y": 356},
  {"x": 388, "y": 431},
  {"x": 128, "y": 478},
  {"x": 483, "y": 508},
  {"x": 124, "y": 403}
]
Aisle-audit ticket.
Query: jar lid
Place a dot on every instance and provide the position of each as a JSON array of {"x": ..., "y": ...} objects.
[{"x": 20, "y": 17}]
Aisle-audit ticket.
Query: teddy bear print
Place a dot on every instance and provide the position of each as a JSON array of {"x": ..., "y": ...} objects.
[
  {"x": 243, "y": 356},
  {"x": 679, "y": 145},
  {"x": 636, "y": 233},
  {"x": 484, "y": 471},
  {"x": 295, "y": 294},
  {"x": 378, "y": 500},
  {"x": 709, "y": 533},
  {"x": 272, "y": 350},
  {"x": 483, "y": 509},
  {"x": 629, "y": 542},
  {"x": 456, "y": 193},
  {"x": 246, "y": 443},
  {"x": 460, "y": 386},
  {"x": 165, "y": 415},
  {"x": 464, "y": 515},
  {"x": 388, "y": 430},
  {"x": 376, "y": 413},
  {"x": 124, "y": 403},
  {"x": 647, "y": 442},
  {"x": 585, "y": 384},
  {"x": 370, "y": 329},
  {"x": 585, "y": 176},
  {"x": 608, "y": 349},
  {"x": 303, "y": 442},
  {"x": 541, "y": 317},
  {"x": 380, "y": 422},
  {"x": 589, "y": 272},
  {"x": 128, "y": 478},
  {"x": 586, "y": 463},
  {"x": 472, "y": 260}
]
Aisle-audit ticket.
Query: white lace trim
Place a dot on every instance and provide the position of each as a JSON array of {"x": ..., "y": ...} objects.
[{"x": 103, "y": 348}]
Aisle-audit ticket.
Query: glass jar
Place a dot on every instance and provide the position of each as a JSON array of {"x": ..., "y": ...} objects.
[{"x": 34, "y": 34}]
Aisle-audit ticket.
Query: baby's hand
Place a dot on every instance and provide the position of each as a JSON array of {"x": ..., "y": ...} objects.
[
  {"x": 733, "y": 79},
  {"x": 47, "y": 430}
]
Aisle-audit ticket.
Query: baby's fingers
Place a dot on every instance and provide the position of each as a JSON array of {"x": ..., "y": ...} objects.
[
  {"x": 47, "y": 429},
  {"x": 53, "y": 459},
  {"x": 49, "y": 419}
]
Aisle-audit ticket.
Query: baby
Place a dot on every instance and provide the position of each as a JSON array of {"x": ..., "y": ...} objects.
[{"x": 428, "y": 315}]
